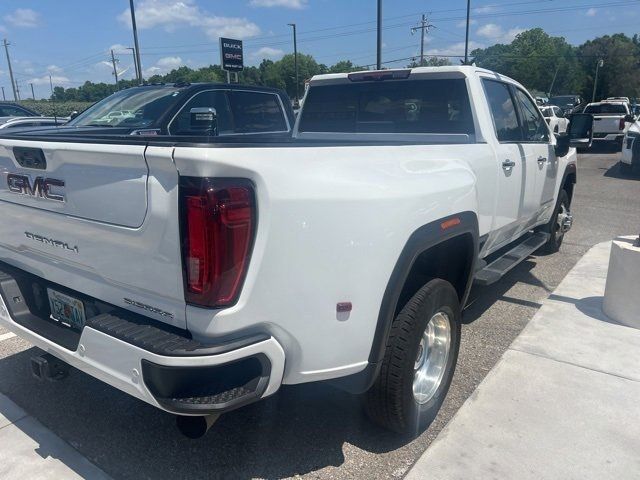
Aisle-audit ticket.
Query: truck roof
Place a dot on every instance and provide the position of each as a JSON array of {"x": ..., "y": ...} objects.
[{"x": 462, "y": 70}]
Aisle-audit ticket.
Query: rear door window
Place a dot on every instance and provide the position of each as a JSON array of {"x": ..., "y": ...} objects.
[
  {"x": 416, "y": 106},
  {"x": 606, "y": 109},
  {"x": 181, "y": 125},
  {"x": 503, "y": 111}
]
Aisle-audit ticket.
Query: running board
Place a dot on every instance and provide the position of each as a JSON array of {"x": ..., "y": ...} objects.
[{"x": 499, "y": 267}]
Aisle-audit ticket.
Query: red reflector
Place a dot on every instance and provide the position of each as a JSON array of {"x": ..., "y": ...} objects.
[
  {"x": 218, "y": 230},
  {"x": 452, "y": 222},
  {"x": 344, "y": 307}
]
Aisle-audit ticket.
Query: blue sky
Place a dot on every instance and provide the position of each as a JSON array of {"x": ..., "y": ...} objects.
[{"x": 70, "y": 39}]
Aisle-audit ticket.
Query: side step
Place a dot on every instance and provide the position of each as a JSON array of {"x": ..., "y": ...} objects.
[{"x": 494, "y": 271}]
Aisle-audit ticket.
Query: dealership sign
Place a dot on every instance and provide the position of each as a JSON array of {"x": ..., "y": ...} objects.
[{"x": 231, "y": 55}]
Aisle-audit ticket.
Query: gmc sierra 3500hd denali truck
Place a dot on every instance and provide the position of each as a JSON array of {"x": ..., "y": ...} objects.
[{"x": 198, "y": 266}]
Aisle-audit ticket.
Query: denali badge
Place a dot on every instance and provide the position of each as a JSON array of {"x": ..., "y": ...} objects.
[
  {"x": 41, "y": 187},
  {"x": 51, "y": 241},
  {"x": 148, "y": 308}
]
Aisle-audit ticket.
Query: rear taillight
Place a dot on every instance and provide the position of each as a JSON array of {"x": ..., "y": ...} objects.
[
  {"x": 218, "y": 226},
  {"x": 622, "y": 124}
]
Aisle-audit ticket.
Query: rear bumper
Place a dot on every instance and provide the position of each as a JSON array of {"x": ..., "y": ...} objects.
[{"x": 173, "y": 373}]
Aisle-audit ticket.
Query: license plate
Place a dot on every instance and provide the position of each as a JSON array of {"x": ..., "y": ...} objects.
[{"x": 66, "y": 310}]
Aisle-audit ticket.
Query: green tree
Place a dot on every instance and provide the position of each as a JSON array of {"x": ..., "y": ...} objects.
[{"x": 620, "y": 74}]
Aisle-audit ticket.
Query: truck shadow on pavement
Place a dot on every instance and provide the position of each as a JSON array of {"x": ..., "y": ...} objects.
[{"x": 299, "y": 430}]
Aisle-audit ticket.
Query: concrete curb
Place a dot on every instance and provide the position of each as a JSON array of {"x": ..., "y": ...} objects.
[
  {"x": 29, "y": 450},
  {"x": 562, "y": 402}
]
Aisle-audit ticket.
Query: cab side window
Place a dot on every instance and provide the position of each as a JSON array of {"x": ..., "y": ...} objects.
[
  {"x": 534, "y": 127},
  {"x": 217, "y": 99},
  {"x": 503, "y": 111}
]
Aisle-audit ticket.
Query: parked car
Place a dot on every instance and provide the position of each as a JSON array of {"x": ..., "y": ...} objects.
[
  {"x": 630, "y": 160},
  {"x": 202, "y": 268},
  {"x": 555, "y": 118},
  {"x": 568, "y": 103},
  {"x": 619, "y": 99},
  {"x": 611, "y": 119},
  {"x": 23, "y": 122},
  {"x": 8, "y": 109},
  {"x": 542, "y": 100}
]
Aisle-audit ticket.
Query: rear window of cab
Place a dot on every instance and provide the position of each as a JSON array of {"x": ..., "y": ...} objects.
[{"x": 437, "y": 106}]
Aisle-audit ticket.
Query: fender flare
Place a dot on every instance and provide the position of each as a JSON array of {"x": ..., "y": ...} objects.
[{"x": 424, "y": 238}]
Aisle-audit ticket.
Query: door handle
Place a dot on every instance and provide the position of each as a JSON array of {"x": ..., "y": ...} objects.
[
  {"x": 542, "y": 161},
  {"x": 508, "y": 165}
]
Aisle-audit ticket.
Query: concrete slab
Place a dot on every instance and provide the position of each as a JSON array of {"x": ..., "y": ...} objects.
[
  {"x": 536, "y": 418},
  {"x": 9, "y": 412},
  {"x": 29, "y": 450},
  {"x": 574, "y": 332},
  {"x": 561, "y": 403}
]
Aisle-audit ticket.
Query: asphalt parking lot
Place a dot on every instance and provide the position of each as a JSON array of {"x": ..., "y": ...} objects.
[{"x": 316, "y": 431}]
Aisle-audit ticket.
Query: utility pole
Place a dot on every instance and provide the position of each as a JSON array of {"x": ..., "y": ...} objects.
[
  {"x": 135, "y": 64},
  {"x": 295, "y": 61},
  {"x": 135, "y": 42},
  {"x": 424, "y": 28},
  {"x": 115, "y": 68},
  {"x": 466, "y": 41},
  {"x": 53, "y": 103},
  {"x": 18, "y": 90},
  {"x": 13, "y": 84},
  {"x": 595, "y": 83},
  {"x": 33, "y": 95},
  {"x": 553, "y": 82},
  {"x": 3, "y": 97},
  {"x": 379, "y": 41}
]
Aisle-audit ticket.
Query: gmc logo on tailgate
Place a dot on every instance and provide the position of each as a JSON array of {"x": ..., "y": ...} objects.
[{"x": 41, "y": 187}]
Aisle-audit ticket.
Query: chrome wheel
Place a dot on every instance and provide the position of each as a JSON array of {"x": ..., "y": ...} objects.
[
  {"x": 431, "y": 360},
  {"x": 564, "y": 221}
]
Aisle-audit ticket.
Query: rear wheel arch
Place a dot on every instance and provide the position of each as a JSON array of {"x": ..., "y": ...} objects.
[
  {"x": 452, "y": 231},
  {"x": 432, "y": 251}
]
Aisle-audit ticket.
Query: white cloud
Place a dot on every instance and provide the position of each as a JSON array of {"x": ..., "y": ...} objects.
[
  {"x": 268, "y": 52},
  {"x": 497, "y": 34},
  {"x": 456, "y": 49},
  {"x": 54, "y": 69},
  {"x": 171, "y": 14},
  {"x": 295, "y": 4},
  {"x": 490, "y": 30},
  {"x": 118, "y": 48},
  {"x": 162, "y": 66},
  {"x": 55, "y": 79},
  {"x": 463, "y": 23},
  {"x": 3, "y": 29},
  {"x": 591, "y": 12},
  {"x": 23, "y": 17}
]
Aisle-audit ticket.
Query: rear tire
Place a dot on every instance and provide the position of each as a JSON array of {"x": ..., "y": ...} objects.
[
  {"x": 419, "y": 361},
  {"x": 554, "y": 227}
]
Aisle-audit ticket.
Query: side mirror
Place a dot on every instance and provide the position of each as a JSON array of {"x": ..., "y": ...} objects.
[
  {"x": 580, "y": 130},
  {"x": 630, "y": 118},
  {"x": 204, "y": 120},
  {"x": 74, "y": 114}
]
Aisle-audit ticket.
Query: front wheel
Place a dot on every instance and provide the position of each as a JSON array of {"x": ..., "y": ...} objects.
[
  {"x": 419, "y": 361},
  {"x": 560, "y": 223}
]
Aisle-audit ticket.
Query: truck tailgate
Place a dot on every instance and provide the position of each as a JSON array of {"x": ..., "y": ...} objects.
[
  {"x": 607, "y": 124},
  {"x": 98, "y": 219}
]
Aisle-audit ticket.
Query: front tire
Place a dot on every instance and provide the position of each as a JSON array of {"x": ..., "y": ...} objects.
[{"x": 419, "y": 361}]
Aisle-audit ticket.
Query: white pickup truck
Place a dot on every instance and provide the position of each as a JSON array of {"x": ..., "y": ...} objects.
[
  {"x": 611, "y": 120},
  {"x": 199, "y": 268}
]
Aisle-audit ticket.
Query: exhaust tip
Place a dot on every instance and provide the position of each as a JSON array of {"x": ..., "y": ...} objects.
[{"x": 195, "y": 427}]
